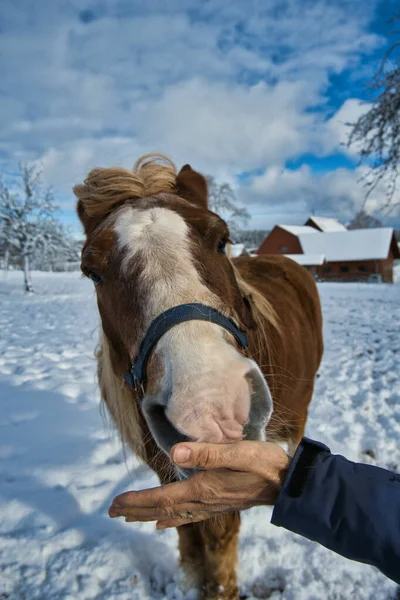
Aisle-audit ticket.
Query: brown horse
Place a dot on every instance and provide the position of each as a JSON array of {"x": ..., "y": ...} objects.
[{"x": 151, "y": 245}]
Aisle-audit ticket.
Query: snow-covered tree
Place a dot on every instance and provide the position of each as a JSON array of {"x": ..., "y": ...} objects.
[
  {"x": 63, "y": 252},
  {"x": 4, "y": 248},
  {"x": 222, "y": 200},
  {"x": 377, "y": 131},
  {"x": 251, "y": 238},
  {"x": 362, "y": 220},
  {"x": 27, "y": 221}
]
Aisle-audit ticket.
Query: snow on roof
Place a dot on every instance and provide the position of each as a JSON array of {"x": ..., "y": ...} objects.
[
  {"x": 327, "y": 224},
  {"x": 357, "y": 244},
  {"x": 298, "y": 229},
  {"x": 307, "y": 260}
]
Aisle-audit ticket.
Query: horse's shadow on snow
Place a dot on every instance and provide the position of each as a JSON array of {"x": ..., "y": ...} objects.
[{"x": 45, "y": 432}]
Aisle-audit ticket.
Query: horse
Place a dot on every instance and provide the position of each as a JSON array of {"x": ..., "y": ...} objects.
[{"x": 193, "y": 345}]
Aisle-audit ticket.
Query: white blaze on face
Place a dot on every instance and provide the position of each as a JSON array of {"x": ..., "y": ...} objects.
[
  {"x": 161, "y": 238},
  {"x": 204, "y": 390}
]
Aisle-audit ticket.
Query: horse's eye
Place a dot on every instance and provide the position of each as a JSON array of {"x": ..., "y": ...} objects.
[
  {"x": 93, "y": 276},
  {"x": 222, "y": 244}
]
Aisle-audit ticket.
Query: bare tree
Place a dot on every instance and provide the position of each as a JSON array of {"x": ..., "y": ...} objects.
[
  {"x": 26, "y": 218},
  {"x": 362, "y": 220},
  {"x": 377, "y": 131},
  {"x": 61, "y": 253},
  {"x": 251, "y": 238},
  {"x": 223, "y": 201},
  {"x": 4, "y": 246}
]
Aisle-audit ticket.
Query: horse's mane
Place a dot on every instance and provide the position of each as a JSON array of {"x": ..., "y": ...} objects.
[
  {"x": 262, "y": 312},
  {"x": 104, "y": 189},
  {"x": 117, "y": 396}
]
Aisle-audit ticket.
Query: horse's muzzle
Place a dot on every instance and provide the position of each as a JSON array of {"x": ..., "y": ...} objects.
[{"x": 166, "y": 434}]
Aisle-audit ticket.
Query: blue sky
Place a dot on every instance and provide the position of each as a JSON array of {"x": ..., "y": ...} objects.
[{"x": 256, "y": 93}]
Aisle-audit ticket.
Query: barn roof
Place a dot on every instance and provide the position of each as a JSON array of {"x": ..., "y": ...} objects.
[
  {"x": 298, "y": 229},
  {"x": 307, "y": 260},
  {"x": 326, "y": 224},
  {"x": 357, "y": 244}
]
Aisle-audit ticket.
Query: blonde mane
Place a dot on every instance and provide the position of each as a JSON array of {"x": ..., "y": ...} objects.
[
  {"x": 117, "y": 396},
  {"x": 104, "y": 189},
  {"x": 262, "y": 311}
]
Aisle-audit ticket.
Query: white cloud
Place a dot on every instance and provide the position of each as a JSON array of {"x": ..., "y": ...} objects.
[
  {"x": 224, "y": 125},
  {"x": 334, "y": 134},
  {"x": 284, "y": 195},
  {"x": 227, "y": 86},
  {"x": 65, "y": 167},
  {"x": 225, "y": 134}
]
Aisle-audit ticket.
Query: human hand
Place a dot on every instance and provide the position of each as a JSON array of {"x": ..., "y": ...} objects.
[{"x": 233, "y": 477}]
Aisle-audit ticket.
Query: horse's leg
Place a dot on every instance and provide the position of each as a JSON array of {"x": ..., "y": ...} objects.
[
  {"x": 208, "y": 549},
  {"x": 220, "y": 539},
  {"x": 191, "y": 548}
]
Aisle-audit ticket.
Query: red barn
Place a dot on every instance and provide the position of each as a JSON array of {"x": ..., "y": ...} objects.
[
  {"x": 332, "y": 252},
  {"x": 325, "y": 224}
]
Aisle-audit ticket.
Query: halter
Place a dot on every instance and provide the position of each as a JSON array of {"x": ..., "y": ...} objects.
[{"x": 136, "y": 376}]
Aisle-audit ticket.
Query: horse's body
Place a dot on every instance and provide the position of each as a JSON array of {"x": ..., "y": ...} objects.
[{"x": 272, "y": 298}]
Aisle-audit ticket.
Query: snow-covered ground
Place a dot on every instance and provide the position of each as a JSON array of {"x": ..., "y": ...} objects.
[{"x": 60, "y": 466}]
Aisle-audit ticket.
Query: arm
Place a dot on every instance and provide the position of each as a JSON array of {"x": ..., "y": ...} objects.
[{"x": 352, "y": 509}]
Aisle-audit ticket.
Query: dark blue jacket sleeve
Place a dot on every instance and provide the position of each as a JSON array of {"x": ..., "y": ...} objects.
[{"x": 351, "y": 508}]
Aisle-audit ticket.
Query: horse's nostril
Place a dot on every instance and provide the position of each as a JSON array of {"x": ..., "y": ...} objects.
[{"x": 163, "y": 431}]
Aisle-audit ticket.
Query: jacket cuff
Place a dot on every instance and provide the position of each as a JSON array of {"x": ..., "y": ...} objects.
[{"x": 297, "y": 476}]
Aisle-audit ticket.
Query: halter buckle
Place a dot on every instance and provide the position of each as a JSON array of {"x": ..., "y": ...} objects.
[{"x": 137, "y": 385}]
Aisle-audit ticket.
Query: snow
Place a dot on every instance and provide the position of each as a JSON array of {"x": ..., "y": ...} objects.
[
  {"x": 60, "y": 466},
  {"x": 328, "y": 224},
  {"x": 396, "y": 271},
  {"x": 299, "y": 229},
  {"x": 357, "y": 244},
  {"x": 307, "y": 259},
  {"x": 236, "y": 250}
]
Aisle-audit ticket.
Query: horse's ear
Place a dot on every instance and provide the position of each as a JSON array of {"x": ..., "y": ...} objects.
[
  {"x": 89, "y": 223},
  {"x": 192, "y": 186}
]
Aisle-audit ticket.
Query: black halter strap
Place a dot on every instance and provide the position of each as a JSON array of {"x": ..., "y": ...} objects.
[{"x": 136, "y": 376}]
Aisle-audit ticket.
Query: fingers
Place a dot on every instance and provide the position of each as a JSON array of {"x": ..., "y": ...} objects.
[
  {"x": 263, "y": 458},
  {"x": 167, "y": 495},
  {"x": 238, "y": 456},
  {"x": 154, "y": 513},
  {"x": 190, "y": 511},
  {"x": 233, "y": 475}
]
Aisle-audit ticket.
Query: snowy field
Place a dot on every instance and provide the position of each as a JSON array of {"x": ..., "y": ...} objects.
[{"x": 60, "y": 466}]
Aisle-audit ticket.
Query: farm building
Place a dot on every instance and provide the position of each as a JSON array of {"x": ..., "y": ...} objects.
[
  {"x": 331, "y": 252},
  {"x": 325, "y": 224}
]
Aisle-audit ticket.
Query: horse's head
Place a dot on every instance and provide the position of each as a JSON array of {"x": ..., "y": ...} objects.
[{"x": 152, "y": 244}]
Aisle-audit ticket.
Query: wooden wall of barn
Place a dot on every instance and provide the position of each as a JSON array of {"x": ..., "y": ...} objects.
[
  {"x": 356, "y": 271},
  {"x": 280, "y": 241}
]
